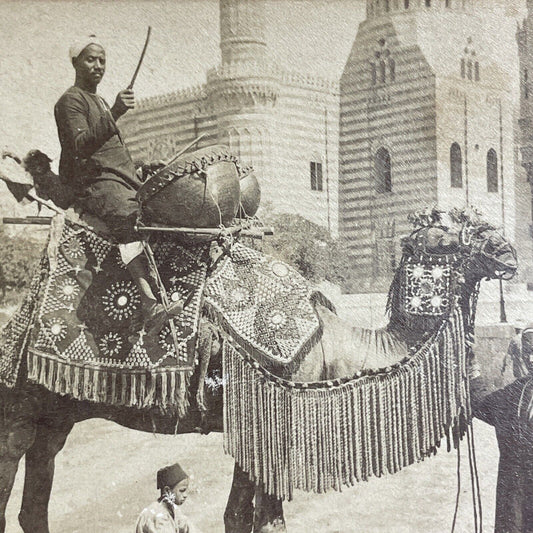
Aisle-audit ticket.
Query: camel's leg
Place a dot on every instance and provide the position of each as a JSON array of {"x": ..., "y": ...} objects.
[
  {"x": 40, "y": 462},
  {"x": 17, "y": 433},
  {"x": 239, "y": 514},
  {"x": 268, "y": 514}
]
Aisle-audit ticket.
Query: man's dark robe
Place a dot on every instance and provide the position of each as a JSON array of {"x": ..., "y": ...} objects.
[{"x": 96, "y": 163}]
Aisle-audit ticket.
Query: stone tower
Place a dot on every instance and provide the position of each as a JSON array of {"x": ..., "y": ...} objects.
[
  {"x": 243, "y": 89},
  {"x": 242, "y": 31},
  {"x": 426, "y": 117},
  {"x": 525, "y": 137},
  {"x": 283, "y": 122}
]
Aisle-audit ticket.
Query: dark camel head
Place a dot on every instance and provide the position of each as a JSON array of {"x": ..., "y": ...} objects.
[
  {"x": 445, "y": 256},
  {"x": 482, "y": 251},
  {"x": 37, "y": 163}
]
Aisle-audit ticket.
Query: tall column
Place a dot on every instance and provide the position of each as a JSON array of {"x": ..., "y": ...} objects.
[{"x": 242, "y": 31}]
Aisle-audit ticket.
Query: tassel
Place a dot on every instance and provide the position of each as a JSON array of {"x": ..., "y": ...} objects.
[
  {"x": 114, "y": 399},
  {"x": 164, "y": 402},
  {"x": 321, "y": 436},
  {"x": 76, "y": 387},
  {"x": 123, "y": 389},
  {"x": 133, "y": 390}
]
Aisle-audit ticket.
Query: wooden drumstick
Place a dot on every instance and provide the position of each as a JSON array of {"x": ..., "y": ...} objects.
[
  {"x": 183, "y": 150},
  {"x": 130, "y": 86}
]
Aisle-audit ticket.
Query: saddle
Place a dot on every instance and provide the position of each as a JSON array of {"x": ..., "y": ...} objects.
[{"x": 76, "y": 326}]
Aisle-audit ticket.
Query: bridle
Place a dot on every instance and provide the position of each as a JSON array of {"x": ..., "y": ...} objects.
[{"x": 477, "y": 246}]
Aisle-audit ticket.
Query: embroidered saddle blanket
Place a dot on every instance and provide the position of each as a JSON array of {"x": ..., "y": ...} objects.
[{"x": 78, "y": 324}]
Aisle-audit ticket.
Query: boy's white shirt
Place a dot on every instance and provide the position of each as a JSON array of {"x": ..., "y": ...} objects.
[{"x": 156, "y": 518}]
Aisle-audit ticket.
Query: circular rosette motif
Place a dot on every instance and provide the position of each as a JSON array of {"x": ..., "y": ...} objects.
[
  {"x": 281, "y": 270},
  {"x": 73, "y": 248},
  {"x": 283, "y": 322},
  {"x": 239, "y": 296},
  {"x": 166, "y": 341},
  {"x": 415, "y": 303},
  {"x": 67, "y": 289},
  {"x": 121, "y": 300},
  {"x": 56, "y": 329},
  {"x": 426, "y": 288},
  {"x": 281, "y": 275},
  {"x": 110, "y": 344}
]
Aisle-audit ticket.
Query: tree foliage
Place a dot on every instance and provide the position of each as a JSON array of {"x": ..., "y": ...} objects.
[
  {"x": 307, "y": 247},
  {"x": 19, "y": 256}
]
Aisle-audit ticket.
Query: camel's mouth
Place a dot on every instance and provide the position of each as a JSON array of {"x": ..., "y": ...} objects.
[{"x": 505, "y": 264}]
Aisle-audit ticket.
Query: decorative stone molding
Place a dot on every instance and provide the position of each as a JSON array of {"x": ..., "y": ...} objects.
[{"x": 181, "y": 95}]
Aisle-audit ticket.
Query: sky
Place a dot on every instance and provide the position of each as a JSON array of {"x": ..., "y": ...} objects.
[{"x": 313, "y": 36}]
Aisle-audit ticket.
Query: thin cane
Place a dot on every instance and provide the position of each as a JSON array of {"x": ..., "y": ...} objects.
[
  {"x": 130, "y": 86},
  {"x": 162, "y": 291},
  {"x": 183, "y": 150}
]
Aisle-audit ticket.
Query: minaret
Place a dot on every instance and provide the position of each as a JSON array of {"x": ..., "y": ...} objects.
[
  {"x": 244, "y": 88},
  {"x": 242, "y": 31}
]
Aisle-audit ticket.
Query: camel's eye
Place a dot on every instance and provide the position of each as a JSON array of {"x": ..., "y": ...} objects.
[{"x": 491, "y": 245}]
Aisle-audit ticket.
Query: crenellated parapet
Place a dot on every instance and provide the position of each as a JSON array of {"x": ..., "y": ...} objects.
[
  {"x": 239, "y": 73},
  {"x": 309, "y": 81},
  {"x": 241, "y": 70},
  {"x": 243, "y": 84},
  {"x": 381, "y": 8},
  {"x": 197, "y": 92}
]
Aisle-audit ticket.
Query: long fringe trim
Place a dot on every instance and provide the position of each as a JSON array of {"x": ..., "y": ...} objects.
[
  {"x": 320, "y": 436},
  {"x": 166, "y": 389}
]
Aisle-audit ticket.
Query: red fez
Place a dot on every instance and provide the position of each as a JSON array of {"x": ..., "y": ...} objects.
[{"x": 170, "y": 476}]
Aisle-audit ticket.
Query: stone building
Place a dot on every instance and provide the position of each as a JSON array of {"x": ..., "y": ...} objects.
[
  {"x": 427, "y": 111},
  {"x": 283, "y": 123},
  {"x": 525, "y": 141}
]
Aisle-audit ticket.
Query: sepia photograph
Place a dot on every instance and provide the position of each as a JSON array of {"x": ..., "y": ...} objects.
[{"x": 266, "y": 266}]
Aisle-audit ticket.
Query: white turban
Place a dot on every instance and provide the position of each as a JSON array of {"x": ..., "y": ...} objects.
[{"x": 81, "y": 43}]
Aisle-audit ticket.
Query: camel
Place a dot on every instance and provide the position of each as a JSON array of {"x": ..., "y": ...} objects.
[{"x": 36, "y": 422}]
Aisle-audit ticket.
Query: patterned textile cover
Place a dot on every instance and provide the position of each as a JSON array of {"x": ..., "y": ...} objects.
[
  {"x": 426, "y": 286},
  {"x": 266, "y": 306},
  {"x": 77, "y": 323}
]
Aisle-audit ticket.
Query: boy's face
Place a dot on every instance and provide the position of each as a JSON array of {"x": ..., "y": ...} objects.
[{"x": 180, "y": 491}]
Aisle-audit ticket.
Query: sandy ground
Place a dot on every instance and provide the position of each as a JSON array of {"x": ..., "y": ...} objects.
[{"x": 105, "y": 476}]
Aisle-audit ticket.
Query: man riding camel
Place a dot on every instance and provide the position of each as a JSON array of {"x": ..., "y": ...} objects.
[{"x": 99, "y": 170}]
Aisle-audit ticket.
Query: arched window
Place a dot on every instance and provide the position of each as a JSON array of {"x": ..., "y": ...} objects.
[
  {"x": 463, "y": 68},
  {"x": 526, "y": 81},
  {"x": 387, "y": 6},
  {"x": 373, "y": 73},
  {"x": 492, "y": 171},
  {"x": 382, "y": 71},
  {"x": 392, "y": 69},
  {"x": 382, "y": 170},
  {"x": 476, "y": 71},
  {"x": 456, "y": 166},
  {"x": 406, "y": 4}
]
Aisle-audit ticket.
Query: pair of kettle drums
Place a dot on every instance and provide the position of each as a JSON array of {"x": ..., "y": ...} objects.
[{"x": 201, "y": 189}]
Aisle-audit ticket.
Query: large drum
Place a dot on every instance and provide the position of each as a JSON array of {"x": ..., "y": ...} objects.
[
  {"x": 198, "y": 190},
  {"x": 250, "y": 194}
]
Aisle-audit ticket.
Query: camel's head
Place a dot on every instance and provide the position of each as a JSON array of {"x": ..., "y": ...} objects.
[
  {"x": 446, "y": 253},
  {"x": 37, "y": 163},
  {"x": 481, "y": 250}
]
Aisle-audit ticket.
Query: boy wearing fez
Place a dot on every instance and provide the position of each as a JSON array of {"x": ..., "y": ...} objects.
[
  {"x": 164, "y": 515},
  {"x": 98, "y": 170}
]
